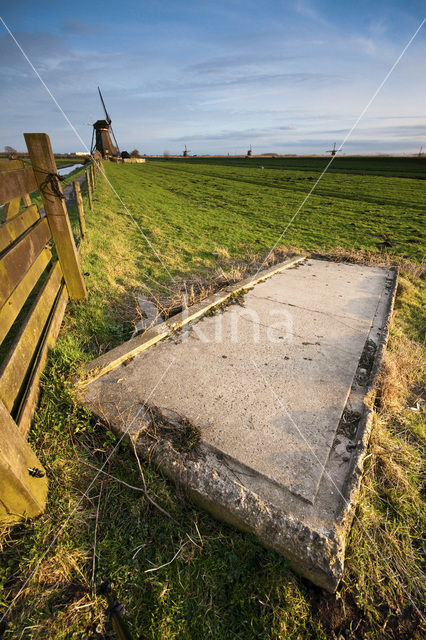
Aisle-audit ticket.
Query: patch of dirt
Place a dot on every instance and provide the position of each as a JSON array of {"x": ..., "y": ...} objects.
[
  {"x": 237, "y": 297},
  {"x": 182, "y": 434},
  {"x": 366, "y": 363},
  {"x": 341, "y": 617},
  {"x": 348, "y": 424}
]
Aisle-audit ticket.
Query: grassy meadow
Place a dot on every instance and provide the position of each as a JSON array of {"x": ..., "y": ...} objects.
[
  {"x": 190, "y": 227},
  {"x": 408, "y": 167}
]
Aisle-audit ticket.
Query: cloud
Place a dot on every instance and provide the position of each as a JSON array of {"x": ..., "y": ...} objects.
[
  {"x": 397, "y": 131},
  {"x": 258, "y": 80},
  {"x": 71, "y": 26},
  {"x": 366, "y": 45},
  {"x": 306, "y": 10},
  {"x": 237, "y": 134},
  {"x": 40, "y": 48},
  {"x": 244, "y": 60}
]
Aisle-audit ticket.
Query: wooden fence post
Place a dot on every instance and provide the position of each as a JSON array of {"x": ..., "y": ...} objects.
[
  {"x": 45, "y": 171},
  {"x": 80, "y": 208},
  {"x": 92, "y": 169},
  {"x": 89, "y": 189},
  {"x": 23, "y": 482}
]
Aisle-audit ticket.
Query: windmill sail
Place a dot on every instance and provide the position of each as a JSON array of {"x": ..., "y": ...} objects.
[
  {"x": 333, "y": 151},
  {"x": 108, "y": 119}
]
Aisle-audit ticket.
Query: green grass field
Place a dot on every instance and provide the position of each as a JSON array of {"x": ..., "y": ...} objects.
[
  {"x": 409, "y": 167},
  {"x": 211, "y": 222}
]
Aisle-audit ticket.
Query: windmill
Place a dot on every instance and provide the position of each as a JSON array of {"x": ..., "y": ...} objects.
[
  {"x": 420, "y": 153},
  {"x": 249, "y": 152},
  {"x": 101, "y": 138},
  {"x": 186, "y": 151},
  {"x": 333, "y": 151}
]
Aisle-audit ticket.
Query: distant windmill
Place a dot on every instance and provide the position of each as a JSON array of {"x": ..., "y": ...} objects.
[
  {"x": 249, "y": 152},
  {"x": 186, "y": 152},
  {"x": 420, "y": 153},
  {"x": 101, "y": 139},
  {"x": 333, "y": 151}
]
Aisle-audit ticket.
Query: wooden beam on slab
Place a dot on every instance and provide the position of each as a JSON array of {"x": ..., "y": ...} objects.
[{"x": 112, "y": 359}]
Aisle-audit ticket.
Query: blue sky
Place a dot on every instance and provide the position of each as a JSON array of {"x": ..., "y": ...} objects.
[{"x": 287, "y": 77}]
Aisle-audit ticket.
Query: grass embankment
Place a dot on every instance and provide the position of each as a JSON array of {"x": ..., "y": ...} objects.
[{"x": 211, "y": 222}]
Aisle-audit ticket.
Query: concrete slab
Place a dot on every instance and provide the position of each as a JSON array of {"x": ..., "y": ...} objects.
[{"x": 274, "y": 386}]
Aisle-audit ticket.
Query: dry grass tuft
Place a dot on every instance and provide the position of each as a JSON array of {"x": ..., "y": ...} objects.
[
  {"x": 369, "y": 257},
  {"x": 384, "y": 556},
  {"x": 401, "y": 370},
  {"x": 222, "y": 253},
  {"x": 186, "y": 292},
  {"x": 229, "y": 276}
]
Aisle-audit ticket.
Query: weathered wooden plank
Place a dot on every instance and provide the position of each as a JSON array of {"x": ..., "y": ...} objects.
[
  {"x": 10, "y": 165},
  {"x": 12, "y": 229},
  {"x": 44, "y": 164},
  {"x": 30, "y": 398},
  {"x": 10, "y": 310},
  {"x": 11, "y": 209},
  {"x": 21, "y": 494},
  {"x": 15, "y": 184},
  {"x": 18, "y": 259},
  {"x": 15, "y": 367}
]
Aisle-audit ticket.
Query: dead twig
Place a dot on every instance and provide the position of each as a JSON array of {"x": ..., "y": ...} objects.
[
  {"x": 92, "y": 581},
  {"x": 170, "y": 561},
  {"x": 166, "y": 513},
  {"x": 133, "y": 487}
]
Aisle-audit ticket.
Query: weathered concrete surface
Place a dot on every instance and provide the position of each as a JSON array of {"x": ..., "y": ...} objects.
[{"x": 275, "y": 388}]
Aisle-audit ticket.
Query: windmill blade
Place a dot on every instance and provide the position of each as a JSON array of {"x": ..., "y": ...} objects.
[
  {"x": 115, "y": 140},
  {"x": 108, "y": 119}
]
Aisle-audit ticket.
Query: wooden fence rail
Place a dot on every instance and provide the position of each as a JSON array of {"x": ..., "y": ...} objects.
[{"x": 39, "y": 270}]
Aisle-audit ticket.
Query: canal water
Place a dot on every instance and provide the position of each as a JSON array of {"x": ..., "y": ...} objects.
[{"x": 64, "y": 171}]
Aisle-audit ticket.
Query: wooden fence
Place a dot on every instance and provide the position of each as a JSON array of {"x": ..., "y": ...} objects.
[{"x": 39, "y": 271}]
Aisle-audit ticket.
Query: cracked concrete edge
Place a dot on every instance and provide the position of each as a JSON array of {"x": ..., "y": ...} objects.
[
  {"x": 112, "y": 359},
  {"x": 352, "y": 490},
  {"x": 208, "y": 481}
]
